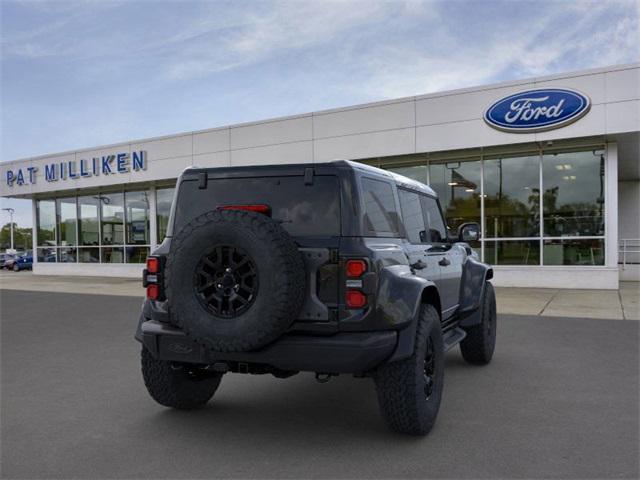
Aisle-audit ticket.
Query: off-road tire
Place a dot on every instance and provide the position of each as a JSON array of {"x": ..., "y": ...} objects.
[
  {"x": 401, "y": 385},
  {"x": 177, "y": 386},
  {"x": 281, "y": 280},
  {"x": 478, "y": 346}
]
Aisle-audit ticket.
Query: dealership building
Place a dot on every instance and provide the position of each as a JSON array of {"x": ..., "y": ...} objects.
[{"x": 549, "y": 166}]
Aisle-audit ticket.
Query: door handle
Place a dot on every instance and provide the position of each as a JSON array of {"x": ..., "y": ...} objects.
[
  {"x": 444, "y": 262},
  {"x": 419, "y": 265}
]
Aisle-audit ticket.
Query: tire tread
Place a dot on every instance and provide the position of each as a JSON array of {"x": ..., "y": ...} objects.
[
  {"x": 476, "y": 349},
  {"x": 171, "y": 388},
  {"x": 397, "y": 382}
]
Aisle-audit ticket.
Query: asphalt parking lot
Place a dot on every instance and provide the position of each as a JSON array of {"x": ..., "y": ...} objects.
[{"x": 560, "y": 400}]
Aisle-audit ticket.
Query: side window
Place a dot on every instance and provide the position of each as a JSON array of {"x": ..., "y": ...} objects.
[
  {"x": 412, "y": 216},
  {"x": 380, "y": 207},
  {"x": 437, "y": 231}
]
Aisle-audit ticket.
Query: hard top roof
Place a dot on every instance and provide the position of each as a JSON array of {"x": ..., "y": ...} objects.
[
  {"x": 400, "y": 180},
  {"x": 236, "y": 171}
]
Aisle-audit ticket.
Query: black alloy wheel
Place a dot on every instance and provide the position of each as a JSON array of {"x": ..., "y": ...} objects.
[{"x": 226, "y": 281}]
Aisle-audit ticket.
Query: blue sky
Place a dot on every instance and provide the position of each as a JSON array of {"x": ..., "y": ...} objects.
[{"x": 80, "y": 74}]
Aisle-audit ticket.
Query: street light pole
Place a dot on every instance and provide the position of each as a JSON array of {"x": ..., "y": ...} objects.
[{"x": 11, "y": 211}]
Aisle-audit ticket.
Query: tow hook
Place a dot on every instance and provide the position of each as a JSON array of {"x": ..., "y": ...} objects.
[{"x": 323, "y": 377}]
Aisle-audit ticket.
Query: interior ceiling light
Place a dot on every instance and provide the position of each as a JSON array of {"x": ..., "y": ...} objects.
[{"x": 566, "y": 166}]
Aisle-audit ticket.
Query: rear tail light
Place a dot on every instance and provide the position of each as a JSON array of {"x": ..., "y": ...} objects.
[
  {"x": 153, "y": 265},
  {"x": 153, "y": 291},
  {"x": 355, "y": 268},
  {"x": 356, "y": 299},
  {"x": 152, "y": 278},
  {"x": 258, "y": 208}
]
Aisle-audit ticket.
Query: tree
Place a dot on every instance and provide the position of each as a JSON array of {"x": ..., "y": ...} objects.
[{"x": 21, "y": 237}]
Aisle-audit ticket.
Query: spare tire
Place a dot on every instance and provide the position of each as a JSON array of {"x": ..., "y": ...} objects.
[{"x": 234, "y": 280}]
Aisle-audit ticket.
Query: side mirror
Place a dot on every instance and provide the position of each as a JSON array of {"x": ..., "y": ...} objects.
[{"x": 469, "y": 232}]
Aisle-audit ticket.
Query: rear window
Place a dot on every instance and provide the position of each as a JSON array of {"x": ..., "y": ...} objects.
[
  {"x": 302, "y": 210},
  {"x": 380, "y": 214}
]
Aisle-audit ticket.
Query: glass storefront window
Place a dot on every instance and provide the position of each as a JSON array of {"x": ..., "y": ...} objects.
[
  {"x": 137, "y": 218},
  {"x": 112, "y": 218},
  {"x": 88, "y": 225},
  {"x": 512, "y": 252},
  {"x": 102, "y": 222},
  {"x": 458, "y": 187},
  {"x": 512, "y": 197},
  {"x": 46, "y": 218},
  {"x": 112, "y": 255},
  {"x": 574, "y": 252},
  {"x": 67, "y": 221},
  {"x": 47, "y": 255},
  {"x": 573, "y": 198},
  {"x": 67, "y": 255},
  {"x": 573, "y": 195},
  {"x": 136, "y": 254},
  {"x": 164, "y": 197},
  {"x": 89, "y": 255},
  {"x": 416, "y": 172}
]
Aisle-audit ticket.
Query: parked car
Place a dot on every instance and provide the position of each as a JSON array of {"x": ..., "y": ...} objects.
[
  {"x": 335, "y": 268},
  {"x": 23, "y": 262},
  {"x": 8, "y": 260}
]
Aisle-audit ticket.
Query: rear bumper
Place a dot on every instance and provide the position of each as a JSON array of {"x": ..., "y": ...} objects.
[{"x": 349, "y": 352}]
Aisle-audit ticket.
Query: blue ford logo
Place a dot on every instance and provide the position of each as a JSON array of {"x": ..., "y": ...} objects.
[{"x": 537, "y": 110}]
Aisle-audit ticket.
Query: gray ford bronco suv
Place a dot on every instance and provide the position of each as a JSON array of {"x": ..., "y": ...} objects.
[{"x": 331, "y": 268}]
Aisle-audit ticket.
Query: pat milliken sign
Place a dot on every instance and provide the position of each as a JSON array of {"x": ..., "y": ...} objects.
[
  {"x": 115, "y": 164},
  {"x": 537, "y": 110}
]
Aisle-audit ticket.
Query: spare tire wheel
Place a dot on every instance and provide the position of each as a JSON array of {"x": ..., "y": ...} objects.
[{"x": 235, "y": 280}]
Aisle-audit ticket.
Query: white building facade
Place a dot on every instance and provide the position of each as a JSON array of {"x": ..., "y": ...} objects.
[{"x": 550, "y": 167}]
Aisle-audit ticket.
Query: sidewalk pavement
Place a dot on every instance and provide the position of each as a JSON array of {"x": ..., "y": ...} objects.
[{"x": 623, "y": 304}]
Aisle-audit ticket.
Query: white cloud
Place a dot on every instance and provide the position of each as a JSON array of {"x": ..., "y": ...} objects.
[
  {"x": 286, "y": 27},
  {"x": 527, "y": 47},
  {"x": 367, "y": 35},
  {"x": 53, "y": 31}
]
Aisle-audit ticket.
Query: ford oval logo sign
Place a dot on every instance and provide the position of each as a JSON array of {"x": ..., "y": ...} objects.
[{"x": 537, "y": 110}]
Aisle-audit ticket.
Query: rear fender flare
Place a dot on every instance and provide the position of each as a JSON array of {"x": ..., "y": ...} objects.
[{"x": 412, "y": 291}]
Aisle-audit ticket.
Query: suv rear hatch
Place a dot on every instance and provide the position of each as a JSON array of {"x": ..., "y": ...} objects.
[{"x": 306, "y": 205}]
